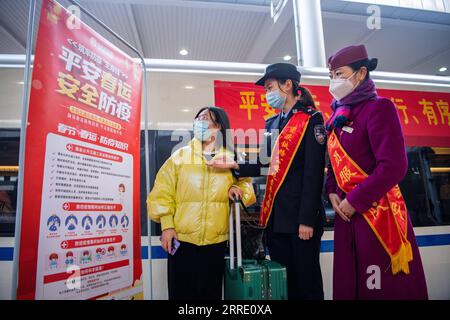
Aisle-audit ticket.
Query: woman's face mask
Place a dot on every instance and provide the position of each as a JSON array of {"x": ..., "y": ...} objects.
[
  {"x": 340, "y": 88},
  {"x": 275, "y": 99},
  {"x": 201, "y": 130}
]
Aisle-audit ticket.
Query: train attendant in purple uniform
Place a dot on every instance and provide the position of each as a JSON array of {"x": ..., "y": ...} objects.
[{"x": 375, "y": 250}]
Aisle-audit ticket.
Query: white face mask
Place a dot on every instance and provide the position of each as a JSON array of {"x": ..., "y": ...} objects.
[{"x": 340, "y": 88}]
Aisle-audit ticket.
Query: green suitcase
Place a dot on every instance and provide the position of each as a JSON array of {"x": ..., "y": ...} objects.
[
  {"x": 251, "y": 279},
  {"x": 246, "y": 282},
  {"x": 275, "y": 280}
]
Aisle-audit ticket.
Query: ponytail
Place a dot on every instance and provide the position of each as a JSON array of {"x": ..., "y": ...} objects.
[{"x": 306, "y": 98}]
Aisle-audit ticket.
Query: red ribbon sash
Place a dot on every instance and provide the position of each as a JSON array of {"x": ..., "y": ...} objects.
[
  {"x": 387, "y": 218},
  {"x": 283, "y": 153}
]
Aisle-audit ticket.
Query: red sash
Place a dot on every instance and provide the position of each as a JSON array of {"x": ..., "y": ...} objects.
[
  {"x": 387, "y": 218},
  {"x": 283, "y": 153}
]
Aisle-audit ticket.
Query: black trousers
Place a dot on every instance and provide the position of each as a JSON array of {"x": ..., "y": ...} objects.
[
  {"x": 196, "y": 272},
  {"x": 301, "y": 258}
]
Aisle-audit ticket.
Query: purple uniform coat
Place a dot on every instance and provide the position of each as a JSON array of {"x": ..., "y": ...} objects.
[{"x": 377, "y": 145}]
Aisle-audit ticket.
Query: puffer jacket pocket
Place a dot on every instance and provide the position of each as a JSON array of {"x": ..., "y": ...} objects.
[
  {"x": 218, "y": 218},
  {"x": 188, "y": 217}
]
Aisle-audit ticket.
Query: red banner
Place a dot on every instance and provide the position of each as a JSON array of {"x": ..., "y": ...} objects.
[
  {"x": 81, "y": 207},
  {"x": 425, "y": 116}
]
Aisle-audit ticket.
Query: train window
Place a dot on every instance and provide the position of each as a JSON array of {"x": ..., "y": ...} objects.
[
  {"x": 440, "y": 178},
  {"x": 426, "y": 187},
  {"x": 9, "y": 160}
]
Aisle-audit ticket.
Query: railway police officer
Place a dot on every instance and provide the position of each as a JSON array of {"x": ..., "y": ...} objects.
[{"x": 292, "y": 209}]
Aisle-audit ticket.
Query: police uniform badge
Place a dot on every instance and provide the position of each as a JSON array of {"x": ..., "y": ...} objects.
[{"x": 320, "y": 134}]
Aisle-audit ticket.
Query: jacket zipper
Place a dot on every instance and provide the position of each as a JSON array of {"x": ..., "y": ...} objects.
[{"x": 204, "y": 213}]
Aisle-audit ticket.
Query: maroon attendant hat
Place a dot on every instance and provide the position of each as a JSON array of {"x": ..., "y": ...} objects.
[{"x": 349, "y": 55}]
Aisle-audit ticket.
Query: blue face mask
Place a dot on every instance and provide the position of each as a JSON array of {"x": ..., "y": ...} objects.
[
  {"x": 275, "y": 100},
  {"x": 201, "y": 131}
]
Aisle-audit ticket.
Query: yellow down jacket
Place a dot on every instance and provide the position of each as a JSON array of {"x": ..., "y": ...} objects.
[{"x": 193, "y": 198}]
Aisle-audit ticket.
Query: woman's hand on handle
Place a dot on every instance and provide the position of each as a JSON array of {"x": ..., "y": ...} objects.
[{"x": 234, "y": 193}]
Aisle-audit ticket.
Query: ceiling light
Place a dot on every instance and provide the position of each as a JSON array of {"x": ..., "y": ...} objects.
[
  {"x": 189, "y": 87},
  {"x": 186, "y": 110},
  {"x": 287, "y": 58},
  {"x": 183, "y": 52},
  {"x": 442, "y": 69}
]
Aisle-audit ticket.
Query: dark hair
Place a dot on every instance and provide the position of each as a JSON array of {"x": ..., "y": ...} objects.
[
  {"x": 220, "y": 118},
  {"x": 369, "y": 64},
  {"x": 306, "y": 98}
]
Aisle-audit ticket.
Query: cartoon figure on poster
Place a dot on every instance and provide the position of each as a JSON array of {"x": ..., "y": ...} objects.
[
  {"x": 121, "y": 193},
  {"x": 100, "y": 221},
  {"x": 111, "y": 253},
  {"x": 53, "y": 223},
  {"x": 86, "y": 222},
  {"x": 124, "y": 221},
  {"x": 123, "y": 249},
  {"x": 69, "y": 259},
  {"x": 86, "y": 257},
  {"x": 53, "y": 261},
  {"x": 99, "y": 253},
  {"x": 71, "y": 222},
  {"x": 113, "y": 221}
]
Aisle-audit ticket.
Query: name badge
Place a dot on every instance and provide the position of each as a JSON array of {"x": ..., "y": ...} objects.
[{"x": 347, "y": 129}]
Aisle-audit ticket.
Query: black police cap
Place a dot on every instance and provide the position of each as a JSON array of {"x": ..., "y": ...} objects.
[{"x": 280, "y": 71}]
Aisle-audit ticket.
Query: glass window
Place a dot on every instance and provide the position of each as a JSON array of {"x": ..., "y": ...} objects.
[
  {"x": 440, "y": 179},
  {"x": 432, "y": 167},
  {"x": 9, "y": 160},
  {"x": 426, "y": 186}
]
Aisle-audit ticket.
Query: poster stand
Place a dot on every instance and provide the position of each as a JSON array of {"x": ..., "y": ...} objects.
[{"x": 25, "y": 107}]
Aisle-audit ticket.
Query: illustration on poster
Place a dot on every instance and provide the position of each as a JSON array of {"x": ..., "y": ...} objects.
[
  {"x": 113, "y": 221},
  {"x": 86, "y": 257},
  {"x": 71, "y": 222},
  {"x": 53, "y": 261},
  {"x": 121, "y": 193},
  {"x": 69, "y": 259},
  {"x": 101, "y": 221},
  {"x": 123, "y": 249},
  {"x": 53, "y": 223},
  {"x": 86, "y": 222},
  {"x": 124, "y": 221},
  {"x": 99, "y": 253},
  {"x": 111, "y": 253}
]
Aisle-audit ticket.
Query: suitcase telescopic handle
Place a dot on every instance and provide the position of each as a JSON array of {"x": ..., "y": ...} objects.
[
  {"x": 231, "y": 238},
  {"x": 238, "y": 235}
]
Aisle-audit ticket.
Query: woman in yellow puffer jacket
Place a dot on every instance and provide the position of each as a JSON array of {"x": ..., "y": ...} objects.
[{"x": 191, "y": 201}]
